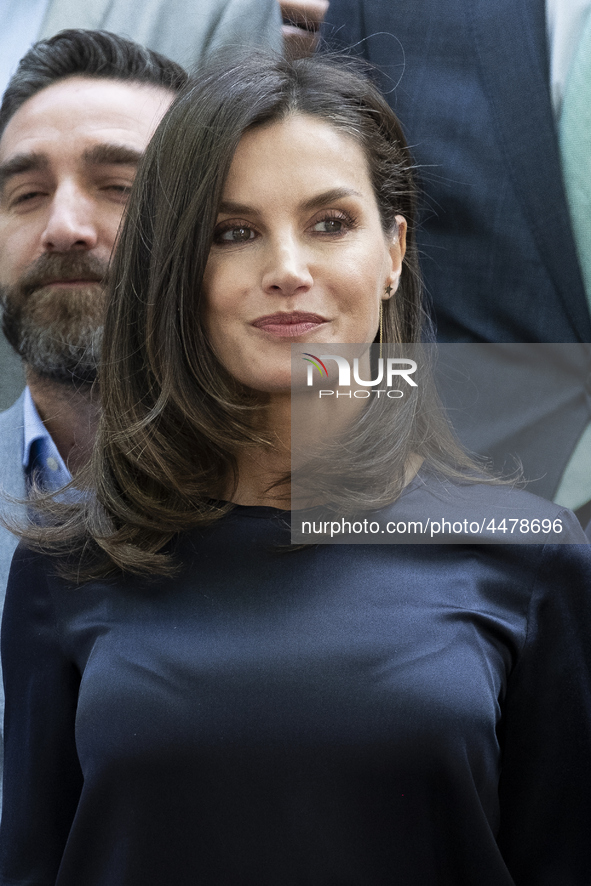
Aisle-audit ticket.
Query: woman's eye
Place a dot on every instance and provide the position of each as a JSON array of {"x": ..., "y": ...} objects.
[
  {"x": 330, "y": 226},
  {"x": 235, "y": 234}
]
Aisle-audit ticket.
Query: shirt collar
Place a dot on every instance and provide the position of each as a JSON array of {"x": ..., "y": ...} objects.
[{"x": 53, "y": 467}]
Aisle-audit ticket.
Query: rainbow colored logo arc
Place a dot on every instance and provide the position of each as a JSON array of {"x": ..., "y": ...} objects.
[{"x": 315, "y": 361}]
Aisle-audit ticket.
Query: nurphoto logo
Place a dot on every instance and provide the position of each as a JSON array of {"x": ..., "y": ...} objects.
[{"x": 389, "y": 372}]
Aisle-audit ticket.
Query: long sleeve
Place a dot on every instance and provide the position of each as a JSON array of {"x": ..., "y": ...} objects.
[
  {"x": 340, "y": 714},
  {"x": 545, "y": 788},
  {"x": 41, "y": 771}
]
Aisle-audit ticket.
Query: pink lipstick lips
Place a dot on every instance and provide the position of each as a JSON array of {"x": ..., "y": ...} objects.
[{"x": 289, "y": 325}]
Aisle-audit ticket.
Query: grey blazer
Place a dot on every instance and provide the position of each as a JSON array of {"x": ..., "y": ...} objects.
[
  {"x": 12, "y": 484},
  {"x": 187, "y": 31}
]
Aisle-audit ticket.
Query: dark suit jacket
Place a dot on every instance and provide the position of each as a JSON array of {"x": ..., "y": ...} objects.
[{"x": 469, "y": 82}]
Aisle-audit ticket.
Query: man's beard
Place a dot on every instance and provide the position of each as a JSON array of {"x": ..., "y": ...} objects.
[{"x": 58, "y": 331}]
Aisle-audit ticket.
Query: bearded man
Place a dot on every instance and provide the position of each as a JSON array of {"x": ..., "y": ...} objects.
[{"x": 74, "y": 123}]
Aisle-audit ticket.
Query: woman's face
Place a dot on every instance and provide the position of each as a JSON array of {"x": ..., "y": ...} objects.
[{"x": 299, "y": 253}]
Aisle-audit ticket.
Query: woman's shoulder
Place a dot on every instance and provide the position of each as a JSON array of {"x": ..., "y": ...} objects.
[
  {"x": 29, "y": 564},
  {"x": 37, "y": 573},
  {"x": 453, "y": 509}
]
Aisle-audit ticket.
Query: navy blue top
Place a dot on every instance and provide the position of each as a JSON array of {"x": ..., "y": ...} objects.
[{"x": 359, "y": 715}]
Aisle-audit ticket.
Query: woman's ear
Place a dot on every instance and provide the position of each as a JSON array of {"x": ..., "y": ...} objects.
[{"x": 397, "y": 251}]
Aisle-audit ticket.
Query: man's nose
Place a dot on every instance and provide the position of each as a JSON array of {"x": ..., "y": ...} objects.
[
  {"x": 287, "y": 270},
  {"x": 71, "y": 225}
]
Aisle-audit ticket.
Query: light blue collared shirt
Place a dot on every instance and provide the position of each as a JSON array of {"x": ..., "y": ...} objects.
[{"x": 52, "y": 472}]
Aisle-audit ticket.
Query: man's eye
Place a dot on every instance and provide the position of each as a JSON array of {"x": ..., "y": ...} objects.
[
  {"x": 118, "y": 191},
  {"x": 25, "y": 197},
  {"x": 235, "y": 234}
]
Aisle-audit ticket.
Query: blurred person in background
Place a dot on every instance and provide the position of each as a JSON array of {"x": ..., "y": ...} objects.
[
  {"x": 74, "y": 122},
  {"x": 302, "y": 20},
  {"x": 495, "y": 100}
]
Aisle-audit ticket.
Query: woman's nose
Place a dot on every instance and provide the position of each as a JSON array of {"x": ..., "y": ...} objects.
[{"x": 287, "y": 270}]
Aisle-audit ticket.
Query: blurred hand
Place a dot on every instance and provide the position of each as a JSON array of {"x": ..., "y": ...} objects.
[{"x": 301, "y": 24}]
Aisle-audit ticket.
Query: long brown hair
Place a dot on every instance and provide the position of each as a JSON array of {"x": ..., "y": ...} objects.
[{"x": 173, "y": 418}]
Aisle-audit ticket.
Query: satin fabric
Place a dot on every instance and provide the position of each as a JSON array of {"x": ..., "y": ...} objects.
[{"x": 334, "y": 716}]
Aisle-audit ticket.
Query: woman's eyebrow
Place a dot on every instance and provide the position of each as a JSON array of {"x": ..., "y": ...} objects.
[
  {"x": 329, "y": 197},
  {"x": 229, "y": 207}
]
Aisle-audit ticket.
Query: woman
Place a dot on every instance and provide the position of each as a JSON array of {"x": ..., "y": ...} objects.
[{"x": 205, "y": 706}]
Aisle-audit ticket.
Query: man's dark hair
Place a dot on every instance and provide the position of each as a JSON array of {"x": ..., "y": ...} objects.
[{"x": 97, "y": 54}]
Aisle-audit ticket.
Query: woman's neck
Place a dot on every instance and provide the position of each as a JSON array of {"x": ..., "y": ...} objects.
[
  {"x": 293, "y": 425},
  {"x": 263, "y": 470}
]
